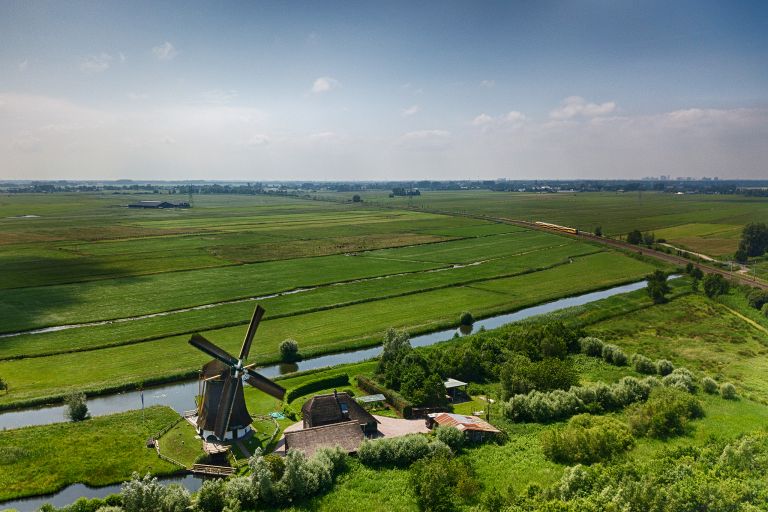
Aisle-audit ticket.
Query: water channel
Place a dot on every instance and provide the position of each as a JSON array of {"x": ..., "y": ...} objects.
[{"x": 180, "y": 396}]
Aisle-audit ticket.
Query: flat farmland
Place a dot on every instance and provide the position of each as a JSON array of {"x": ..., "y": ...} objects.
[
  {"x": 710, "y": 224},
  {"x": 145, "y": 280}
]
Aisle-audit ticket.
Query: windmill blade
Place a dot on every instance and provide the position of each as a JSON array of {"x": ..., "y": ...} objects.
[
  {"x": 212, "y": 350},
  {"x": 257, "y": 314},
  {"x": 226, "y": 402},
  {"x": 260, "y": 382}
]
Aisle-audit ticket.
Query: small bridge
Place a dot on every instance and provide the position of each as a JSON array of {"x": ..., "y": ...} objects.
[{"x": 207, "y": 469}]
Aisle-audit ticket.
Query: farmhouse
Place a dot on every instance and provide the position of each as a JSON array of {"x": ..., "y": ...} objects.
[
  {"x": 474, "y": 428},
  {"x": 337, "y": 408},
  {"x": 158, "y": 204}
]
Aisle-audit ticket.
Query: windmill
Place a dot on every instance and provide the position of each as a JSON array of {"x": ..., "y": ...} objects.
[{"x": 222, "y": 411}]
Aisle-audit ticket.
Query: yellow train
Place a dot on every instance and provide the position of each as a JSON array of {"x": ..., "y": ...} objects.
[{"x": 556, "y": 227}]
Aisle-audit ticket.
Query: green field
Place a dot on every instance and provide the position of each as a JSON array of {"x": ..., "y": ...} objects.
[
  {"x": 710, "y": 224},
  {"x": 333, "y": 276},
  {"x": 99, "y": 451}
]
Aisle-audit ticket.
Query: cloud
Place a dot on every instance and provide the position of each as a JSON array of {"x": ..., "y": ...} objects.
[
  {"x": 96, "y": 63},
  {"x": 482, "y": 120},
  {"x": 23, "y": 65},
  {"x": 325, "y": 84},
  {"x": 512, "y": 118},
  {"x": 135, "y": 96},
  {"x": 258, "y": 139},
  {"x": 408, "y": 112},
  {"x": 488, "y": 84},
  {"x": 217, "y": 96},
  {"x": 122, "y": 56},
  {"x": 165, "y": 51},
  {"x": 576, "y": 106}
]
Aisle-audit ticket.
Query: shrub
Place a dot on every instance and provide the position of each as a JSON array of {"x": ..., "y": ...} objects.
[
  {"x": 614, "y": 355},
  {"x": 77, "y": 407},
  {"x": 630, "y": 390},
  {"x": 591, "y": 346},
  {"x": 142, "y": 494},
  {"x": 317, "y": 385},
  {"x": 715, "y": 285},
  {"x": 240, "y": 494},
  {"x": 520, "y": 375},
  {"x": 664, "y": 367},
  {"x": 709, "y": 385},
  {"x": 176, "y": 499},
  {"x": 681, "y": 378},
  {"x": 764, "y": 310},
  {"x": 576, "y": 481},
  {"x": 466, "y": 318},
  {"x": 728, "y": 391},
  {"x": 439, "y": 483},
  {"x": 642, "y": 364},
  {"x": 452, "y": 437},
  {"x": 109, "y": 508},
  {"x": 3, "y": 385},
  {"x": 437, "y": 448},
  {"x": 665, "y": 414},
  {"x": 211, "y": 496},
  {"x": 757, "y": 298},
  {"x": 393, "y": 452},
  {"x": 289, "y": 350},
  {"x": 586, "y": 439}
]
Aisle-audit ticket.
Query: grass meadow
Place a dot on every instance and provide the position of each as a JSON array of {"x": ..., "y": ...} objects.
[{"x": 96, "y": 452}]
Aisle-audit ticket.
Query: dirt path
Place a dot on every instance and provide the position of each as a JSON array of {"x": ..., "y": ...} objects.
[{"x": 746, "y": 319}]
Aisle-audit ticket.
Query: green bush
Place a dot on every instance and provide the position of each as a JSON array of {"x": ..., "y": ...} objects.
[
  {"x": 765, "y": 310},
  {"x": 211, "y": 496},
  {"x": 614, "y": 355},
  {"x": 395, "y": 399},
  {"x": 643, "y": 365},
  {"x": 681, "y": 378},
  {"x": 142, "y": 494},
  {"x": 439, "y": 484},
  {"x": 452, "y": 437},
  {"x": 77, "y": 407},
  {"x": 591, "y": 346},
  {"x": 520, "y": 375},
  {"x": 289, "y": 350},
  {"x": 586, "y": 439},
  {"x": 715, "y": 285},
  {"x": 664, "y": 367},
  {"x": 334, "y": 381},
  {"x": 394, "y": 452},
  {"x": 665, "y": 414},
  {"x": 466, "y": 318},
  {"x": 709, "y": 385},
  {"x": 728, "y": 391}
]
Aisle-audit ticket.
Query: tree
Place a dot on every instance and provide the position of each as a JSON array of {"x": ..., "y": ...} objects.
[
  {"x": 754, "y": 239},
  {"x": 598, "y": 231},
  {"x": 3, "y": 385},
  {"x": 649, "y": 239},
  {"x": 77, "y": 408},
  {"x": 466, "y": 318},
  {"x": 715, "y": 285},
  {"x": 289, "y": 350},
  {"x": 635, "y": 237},
  {"x": 396, "y": 346},
  {"x": 439, "y": 483},
  {"x": 356, "y": 198},
  {"x": 658, "y": 287}
]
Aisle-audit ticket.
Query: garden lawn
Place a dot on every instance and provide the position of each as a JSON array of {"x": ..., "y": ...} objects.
[{"x": 96, "y": 452}]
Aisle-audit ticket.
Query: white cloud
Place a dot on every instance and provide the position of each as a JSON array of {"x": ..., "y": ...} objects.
[
  {"x": 122, "y": 57},
  {"x": 576, "y": 106},
  {"x": 482, "y": 120},
  {"x": 258, "y": 139},
  {"x": 408, "y": 112},
  {"x": 96, "y": 63},
  {"x": 511, "y": 118},
  {"x": 165, "y": 51},
  {"x": 325, "y": 84},
  {"x": 23, "y": 65},
  {"x": 135, "y": 96},
  {"x": 488, "y": 84},
  {"x": 217, "y": 96}
]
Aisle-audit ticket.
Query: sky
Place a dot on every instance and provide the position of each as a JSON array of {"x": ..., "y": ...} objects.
[{"x": 358, "y": 90}]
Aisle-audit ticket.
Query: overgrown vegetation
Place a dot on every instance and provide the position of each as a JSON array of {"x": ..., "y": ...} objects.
[{"x": 587, "y": 439}]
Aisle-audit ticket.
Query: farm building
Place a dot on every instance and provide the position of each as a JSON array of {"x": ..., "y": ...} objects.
[
  {"x": 158, "y": 204},
  {"x": 337, "y": 408},
  {"x": 346, "y": 435},
  {"x": 474, "y": 428}
]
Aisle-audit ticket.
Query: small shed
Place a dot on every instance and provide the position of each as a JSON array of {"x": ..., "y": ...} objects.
[
  {"x": 474, "y": 428},
  {"x": 455, "y": 388},
  {"x": 371, "y": 400},
  {"x": 346, "y": 435}
]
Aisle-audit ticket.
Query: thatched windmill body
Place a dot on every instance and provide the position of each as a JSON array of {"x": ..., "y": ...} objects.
[{"x": 221, "y": 412}]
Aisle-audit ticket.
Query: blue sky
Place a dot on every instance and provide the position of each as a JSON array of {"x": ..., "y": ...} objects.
[{"x": 383, "y": 90}]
